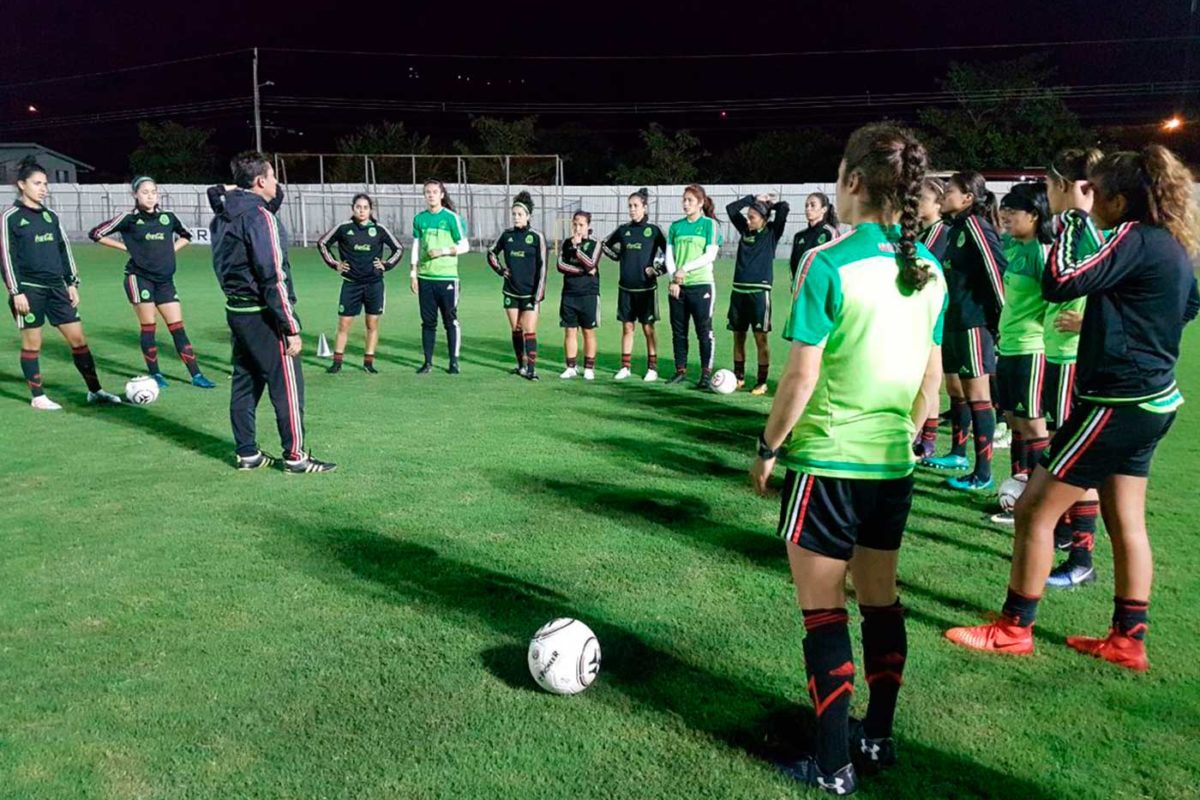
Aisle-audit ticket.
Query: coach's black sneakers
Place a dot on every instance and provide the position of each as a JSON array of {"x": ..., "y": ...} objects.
[
  {"x": 705, "y": 382},
  {"x": 531, "y": 374},
  {"x": 256, "y": 461},
  {"x": 871, "y": 755},
  {"x": 334, "y": 368},
  {"x": 806, "y": 771},
  {"x": 425, "y": 368},
  {"x": 678, "y": 377},
  {"x": 308, "y": 464},
  {"x": 370, "y": 368},
  {"x": 454, "y": 370}
]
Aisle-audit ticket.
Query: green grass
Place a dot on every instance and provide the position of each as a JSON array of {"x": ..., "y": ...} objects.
[{"x": 171, "y": 628}]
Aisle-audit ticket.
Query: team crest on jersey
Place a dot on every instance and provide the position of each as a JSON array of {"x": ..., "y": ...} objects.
[
  {"x": 529, "y": 238},
  {"x": 164, "y": 219},
  {"x": 370, "y": 231},
  {"x": 821, "y": 239},
  {"x": 962, "y": 238},
  {"x": 751, "y": 239},
  {"x": 46, "y": 216},
  {"x": 647, "y": 232}
]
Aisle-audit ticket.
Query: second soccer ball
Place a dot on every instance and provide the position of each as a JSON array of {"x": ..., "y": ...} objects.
[{"x": 724, "y": 382}]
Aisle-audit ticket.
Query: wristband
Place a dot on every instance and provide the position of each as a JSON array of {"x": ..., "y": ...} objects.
[{"x": 765, "y": 452}]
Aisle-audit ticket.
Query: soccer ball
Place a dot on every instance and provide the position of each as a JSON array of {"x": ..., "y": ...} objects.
[
  {"x": 564, "y": 656},
  {"x": 141, "y": 390},
  {"x": 724, "y": 382},
  {"x": 1010, "y": 491}
]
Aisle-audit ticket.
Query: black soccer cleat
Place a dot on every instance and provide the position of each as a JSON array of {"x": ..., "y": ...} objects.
[
  {"x": 678, "y": 377},
  {"x": 871, "y": 755},
  {"x": 334, "y": 368},
  {"x": 308, "y": 464},
  {"x": 841, "y": 783},
  {"x": 705, "y": 383},
  {"x": 425, "y": 368},
  {"x": 256, "y": 461},
  {"x": 531, "y": 374},
  {"x": 454, "y": 370},
  {"x": 370, "y": 368}
]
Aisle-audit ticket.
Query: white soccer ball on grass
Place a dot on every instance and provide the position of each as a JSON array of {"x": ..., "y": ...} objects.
[
  {"x": 724, "y": 381},
  {"x": 1010, "y": 491},
  {"x": 141, "y": 390},
  {"x": 564, "y": 656}
]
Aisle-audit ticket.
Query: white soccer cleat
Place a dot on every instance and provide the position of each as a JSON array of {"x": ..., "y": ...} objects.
[
  {"x": 43, "y": 403},
  {"x": 568, "y": 373},
  {"x": 589, "y": 374},
  {"x": 103, "y": 398},
  {"x": 651, "y": 376},
  {"x": 622, "y": 374}
]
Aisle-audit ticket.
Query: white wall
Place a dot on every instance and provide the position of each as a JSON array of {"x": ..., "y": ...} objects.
[{"x": 309, "y": 209}]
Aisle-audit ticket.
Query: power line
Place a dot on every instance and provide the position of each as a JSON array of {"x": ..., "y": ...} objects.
[
  {"x": 122, "y": 70},
  {"x": 817, "y": 102},
  {"x": 734, "y": 56},
  {"x": 200, "y": 107}
]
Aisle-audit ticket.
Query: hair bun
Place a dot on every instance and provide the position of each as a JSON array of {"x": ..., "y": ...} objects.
[{"x": 524, "y": 198}]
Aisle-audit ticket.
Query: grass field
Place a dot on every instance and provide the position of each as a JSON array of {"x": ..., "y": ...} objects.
[{"x": 171, "y": 628}]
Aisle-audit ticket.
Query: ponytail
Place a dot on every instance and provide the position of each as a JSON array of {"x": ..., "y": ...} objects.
[
  {"x": 706, "y": 204},
  {"x": 29, "y": 166},
  {"x": 985, "y": 205},
  {"x": 831, "y": 217},
  {"x": 1158, "y": 190}
]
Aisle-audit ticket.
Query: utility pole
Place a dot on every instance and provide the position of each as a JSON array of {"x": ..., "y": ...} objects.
[{"x": 257, "y": 110}]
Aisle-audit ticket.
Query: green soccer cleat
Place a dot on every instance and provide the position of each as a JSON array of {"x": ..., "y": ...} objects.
[
  {"x": 947, "y": 462},
  {"x": 969, "y": 483}
]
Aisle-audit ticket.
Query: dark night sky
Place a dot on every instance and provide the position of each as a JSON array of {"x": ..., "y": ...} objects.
[{"x": 55, "y": 39}]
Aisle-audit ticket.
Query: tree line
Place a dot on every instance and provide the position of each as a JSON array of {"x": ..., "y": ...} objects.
[{"x": 1003, "y": 115}]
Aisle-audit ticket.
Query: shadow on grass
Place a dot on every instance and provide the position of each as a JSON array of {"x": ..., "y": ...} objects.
[
  {"x": 683, "y": 517},
  {"x": 761, "y": 724},
  {"x": 144, "y": 419}
]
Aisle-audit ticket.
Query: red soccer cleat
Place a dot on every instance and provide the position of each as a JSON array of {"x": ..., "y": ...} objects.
[
  {"x": 996, "y": 637},
  {"x": 1116, "y": 648}
]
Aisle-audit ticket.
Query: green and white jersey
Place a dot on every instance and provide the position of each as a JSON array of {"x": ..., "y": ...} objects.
[
  {"x": 1022, "y": 321},
  {"x": 439, "y": 231},
  {"x": 1062, "y": 347},
  {"x": 686, "y": 242},
  {"x": 877, "y": 338}
]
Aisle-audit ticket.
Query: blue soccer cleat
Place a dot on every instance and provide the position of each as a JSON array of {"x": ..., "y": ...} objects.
[
  {"x": 204, "y": 383},
  {"x": 1070, "y": 576},
  {"x": 160, "y": 379},
  {"x": 969, "y": 483},
  {"x": 947, "y": 462}
]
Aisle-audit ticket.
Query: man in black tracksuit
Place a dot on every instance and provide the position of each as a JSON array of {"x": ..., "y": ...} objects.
[{"x": 251, "y": 261}]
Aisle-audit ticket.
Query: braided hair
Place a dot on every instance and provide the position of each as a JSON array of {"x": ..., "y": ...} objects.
[{"x": 892, "y": 162}]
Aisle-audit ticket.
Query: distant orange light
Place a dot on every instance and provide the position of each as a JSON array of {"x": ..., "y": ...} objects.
[{"x": 1172, "y": 124}]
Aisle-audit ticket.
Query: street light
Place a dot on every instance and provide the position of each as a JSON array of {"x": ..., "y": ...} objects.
[{"x": 1172, "y": 124}]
